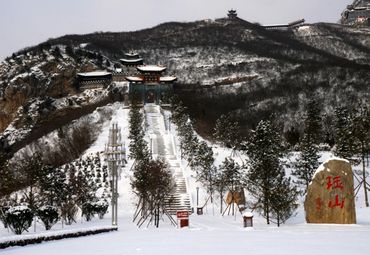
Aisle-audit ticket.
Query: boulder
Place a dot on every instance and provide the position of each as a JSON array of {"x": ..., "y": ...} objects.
[{"x": 330, "y": 196}]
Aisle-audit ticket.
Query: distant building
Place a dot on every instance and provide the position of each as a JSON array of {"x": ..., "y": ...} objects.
[
  {"x": 232, "y": 14},
  {"x": 131, "y": 59},
  {"x": 150, "y": 86},
  {"x": 118, "y": 74},
  {"x": 94, "y": 80},
  {"x": 358, "y": 13},
  {"x": 285, "y": 27}
]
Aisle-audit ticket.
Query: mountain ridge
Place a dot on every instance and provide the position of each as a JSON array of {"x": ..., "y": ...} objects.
[{"x": 328, "y": 61}]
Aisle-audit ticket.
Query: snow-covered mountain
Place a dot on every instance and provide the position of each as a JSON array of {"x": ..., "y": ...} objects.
[
  {"x": 39, "y": 92},
  {"x": 222, "y": 66}
]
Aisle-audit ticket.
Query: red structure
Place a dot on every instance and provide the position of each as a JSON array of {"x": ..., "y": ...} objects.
[
  {"x": 183, "y": 218},
  {"x": 151, "y": 74},
  {"x": 149, "y": 84},
  {"x": 248, "y": 219}
]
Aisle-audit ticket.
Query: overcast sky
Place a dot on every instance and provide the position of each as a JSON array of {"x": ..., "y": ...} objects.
[{"x": 28, "y": 22}]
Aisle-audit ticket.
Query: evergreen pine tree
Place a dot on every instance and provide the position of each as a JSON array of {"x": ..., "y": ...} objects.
[
  {"x": 231, "y": 172},
  {"x": 308, "y": 160},
  {"x": 53, "y": 186},
  {"x": 307, "y": 163},
  {"x": 229, "y": 178},
  {"x": 265, "y": 172},
  {"x": 361, "y": 134},
  {"x": 138, "y": 146},
  {"x": 6, "y": 176},
  {"x": 227, "y": 132},
  {"x": 202, "y": 161},
  {"x": 32, "y": 172},
  {"x": 313, "y": 121},
  {"x": 283, "y": 200},
  {"x": 220, "y": 185},
  {"x": 345, "y": 144}
]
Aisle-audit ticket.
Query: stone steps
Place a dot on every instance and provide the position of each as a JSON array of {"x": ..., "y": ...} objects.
[{"x": 180, "y": 200}]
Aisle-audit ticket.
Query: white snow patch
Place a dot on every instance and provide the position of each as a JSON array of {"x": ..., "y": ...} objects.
[{"x": 322, "y": 166}]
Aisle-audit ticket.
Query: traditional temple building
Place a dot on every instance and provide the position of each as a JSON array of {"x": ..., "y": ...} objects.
[
  {"x": 232, "y": 14},
  {"x": 119, "y": 74},
  {"x": 94, "y": 80},
  {"x": 131, "y": 59},
  {"x": 150, "y": 86},
  {"x": 358, "y": 13}
]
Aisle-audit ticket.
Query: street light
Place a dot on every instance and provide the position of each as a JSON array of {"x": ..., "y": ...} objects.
[
  {"x": 151, "y": 137},
  {"x": 116, "y": 158}
]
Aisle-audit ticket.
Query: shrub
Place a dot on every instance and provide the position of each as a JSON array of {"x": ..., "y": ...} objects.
[
  {"x": 48, "y": 215},
  {"x": 19, "y": 219},
  {"x": 69, "y": 212},
  {"x": 3, "y": 210},
  {"x": 88, "y": 210},
  {"x": 101, "y": 208}
]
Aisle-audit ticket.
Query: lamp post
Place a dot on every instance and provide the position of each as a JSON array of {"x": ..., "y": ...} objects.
[
  {"x": 167, "y": 122},
  {"x": 151, "y": 137},
  {"x": 116, "y": 158}
]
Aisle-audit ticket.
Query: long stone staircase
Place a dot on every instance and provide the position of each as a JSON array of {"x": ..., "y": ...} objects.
[{"x": 162, "y": 145}]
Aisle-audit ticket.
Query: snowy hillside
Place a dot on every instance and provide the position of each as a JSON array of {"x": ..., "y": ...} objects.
[
  {"x": 222, "y": 66},
  {"x": 209, "y": 233}
]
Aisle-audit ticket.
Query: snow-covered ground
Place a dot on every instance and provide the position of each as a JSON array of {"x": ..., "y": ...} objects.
[
  {"x": 209, "y": 233},
  {"x": 212, "y": 235}
]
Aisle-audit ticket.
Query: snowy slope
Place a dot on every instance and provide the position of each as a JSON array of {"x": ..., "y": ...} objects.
[{"x": 207, "y": 234}]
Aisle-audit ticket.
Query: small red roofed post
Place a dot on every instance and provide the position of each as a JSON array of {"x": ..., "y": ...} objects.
[
  {"x": 182, "y": 218},
  {"x": 248, "y": 219}
]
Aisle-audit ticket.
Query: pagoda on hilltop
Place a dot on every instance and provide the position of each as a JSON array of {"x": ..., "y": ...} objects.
[
  {"x": 131, "y": 59},
  {"x": 232, "y": 14},
  {"x": 150, "y": 85}
]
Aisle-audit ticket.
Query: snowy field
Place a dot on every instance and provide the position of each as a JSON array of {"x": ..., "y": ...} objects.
[{"x": 208, "y": 234}]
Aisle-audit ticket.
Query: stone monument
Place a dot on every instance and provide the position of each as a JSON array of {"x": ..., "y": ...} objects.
[{"x": 330, "y": 196}]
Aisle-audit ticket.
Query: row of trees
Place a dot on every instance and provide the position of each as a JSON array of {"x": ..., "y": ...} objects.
[
  {"x": 198, "y": 153},
  {"x": 351, "y": 141},
  {"x": 274, "y": 195},
  {"x": 351, "y": 128},
  {"x": 53, "y": 193},
  {"x": 152, "y": 179}
]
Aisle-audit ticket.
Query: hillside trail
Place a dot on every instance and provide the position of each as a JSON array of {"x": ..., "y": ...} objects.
[{"x": 162, "y": 146}]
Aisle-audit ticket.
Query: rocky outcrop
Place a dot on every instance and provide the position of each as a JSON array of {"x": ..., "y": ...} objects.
[
  {"x": 330, "y": 196},
  {"x": 38, "y": 73}
]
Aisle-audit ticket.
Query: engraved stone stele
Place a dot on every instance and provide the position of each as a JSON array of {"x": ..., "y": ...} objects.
[{"x": 330, "y": 195}]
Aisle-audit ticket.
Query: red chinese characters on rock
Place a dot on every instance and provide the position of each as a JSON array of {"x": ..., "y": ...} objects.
[
  {"x": 333, "y": 183},
  {"x": 337, "y": 203}
]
